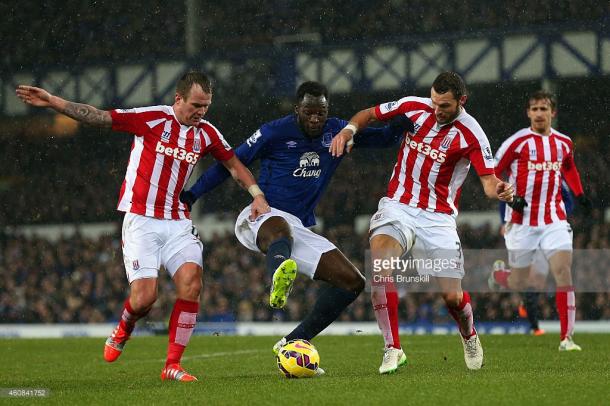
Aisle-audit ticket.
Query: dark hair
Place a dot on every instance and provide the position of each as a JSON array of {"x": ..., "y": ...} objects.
[
  {"x": 542, "y": 95},
  {"x": 316, "y": 89},
  {"x": 450, "y": 81},
  {"x": 186, "y": 82}
]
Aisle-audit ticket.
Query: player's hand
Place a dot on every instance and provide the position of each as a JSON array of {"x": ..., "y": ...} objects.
[
  {"x": 34, "y": 96},
  {"x": 502, "y": 230},
  {"x": 258, "y": 207},
  {"x": 340, "y": 141},
  {"x": 187, "y": 197},
  {"x": 505, "y": 191}
]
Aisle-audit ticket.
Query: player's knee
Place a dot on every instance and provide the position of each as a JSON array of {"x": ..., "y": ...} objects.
[
  {"x": 196, "y": 286},
  {"x": 143, "y": 301},
  {"x": 272, "y": 230},
  {"x": 385, "y": 245},
  {"x": 517, "y": 283},
  {"x": 355, "y": 283},
  {"x": 191, "y": 286},
  {"x": 453, "y": 299},
  {"x": 563, "y": 275},
  {"x": 537, "y": 281}
]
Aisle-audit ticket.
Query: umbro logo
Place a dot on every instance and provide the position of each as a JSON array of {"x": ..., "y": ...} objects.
[{"x": 291, "y": 144}]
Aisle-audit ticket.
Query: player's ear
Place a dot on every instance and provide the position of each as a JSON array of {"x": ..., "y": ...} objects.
[
  {"x": 178, "y": 97},
  {"x": 463, "y": 100}
]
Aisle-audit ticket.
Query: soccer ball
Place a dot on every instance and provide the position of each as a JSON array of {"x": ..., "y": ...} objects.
[{"x": 298, "y": 359}]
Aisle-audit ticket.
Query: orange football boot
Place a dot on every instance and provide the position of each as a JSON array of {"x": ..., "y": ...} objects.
[
  {"x": 115, "y": 344},
  {"x": 174, "y": 372}
]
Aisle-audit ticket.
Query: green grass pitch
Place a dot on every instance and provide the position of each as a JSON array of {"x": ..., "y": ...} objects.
[{"x": 242, "y": 370}]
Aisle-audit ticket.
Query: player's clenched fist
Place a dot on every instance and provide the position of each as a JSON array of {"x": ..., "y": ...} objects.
[
  {"x": 34, "y": 95},
  {"x": 505, "y": 191}
]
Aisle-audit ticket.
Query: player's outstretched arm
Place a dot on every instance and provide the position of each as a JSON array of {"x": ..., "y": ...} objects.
[
  {"x": 345, "y": 137},
  {"x": 217, "y": 173},
  {"x": 84, "y": 113},
  {"x": 384, "y": 137},
  {"x": 244, "y": 178}
]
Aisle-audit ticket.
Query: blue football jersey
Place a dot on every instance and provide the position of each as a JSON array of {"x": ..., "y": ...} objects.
[{"x": 295, "y": 169}]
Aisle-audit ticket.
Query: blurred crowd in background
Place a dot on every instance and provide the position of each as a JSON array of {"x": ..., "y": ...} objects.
[
  {"x": 76, "y": 180},
  {"x": 79, "y": 280}
]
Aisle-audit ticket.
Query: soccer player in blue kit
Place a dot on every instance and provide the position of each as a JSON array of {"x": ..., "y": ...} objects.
[{"x": 296, "y": 167}]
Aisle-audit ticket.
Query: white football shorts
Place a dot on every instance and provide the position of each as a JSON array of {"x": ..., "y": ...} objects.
[
  {"x": 522, "y": 241},
  {"x": 430, "y": 236},
  {"x": 540, "y": 264},
  {"x": 149, "y": 243},
  {"x": 307, "y": 247}
]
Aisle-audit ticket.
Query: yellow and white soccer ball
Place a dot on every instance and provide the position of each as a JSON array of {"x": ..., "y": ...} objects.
[{"x": 298, "y": 359}]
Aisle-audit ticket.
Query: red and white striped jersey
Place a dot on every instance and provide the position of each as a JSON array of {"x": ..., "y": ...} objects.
[
  {"x": 535, "y": 164},
  {"x": 433, "y": 162},
  {"x": 163, "y": 155}
]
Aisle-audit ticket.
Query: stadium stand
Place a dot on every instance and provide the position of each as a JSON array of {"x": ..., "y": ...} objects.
[
  {"x": 76, "y": 180},
  {"x": 80, "y": 280}
]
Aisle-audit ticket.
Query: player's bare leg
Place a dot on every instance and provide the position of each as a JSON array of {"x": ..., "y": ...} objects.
[
  {"x": 335, "y": 269},
  {"x": 458, "y": 304},
  {"x": 561, "y": 267},
  {"x": 345, "y": 284},
  {"x": 385, "y": 302},
  {"x": 274, "y": 238},
  {"x": 524, "y": 280},
  {"x": 182, "y": 320},
  {"x": 529, "y": 308},
  {"x": 142, "y": 297}
]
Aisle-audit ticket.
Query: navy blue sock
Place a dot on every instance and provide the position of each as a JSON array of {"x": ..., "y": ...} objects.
[
  {"x": 531, "y": 305},
  {"x": 331, "y": 302},
  {"x": 278, "y": 251}
]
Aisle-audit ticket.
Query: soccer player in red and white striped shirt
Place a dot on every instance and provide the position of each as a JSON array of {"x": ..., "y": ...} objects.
[
  {"x": 157, "y": 230},
  {"x": 536, "y": 160},
  {"x": 419, "y": 211}
]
